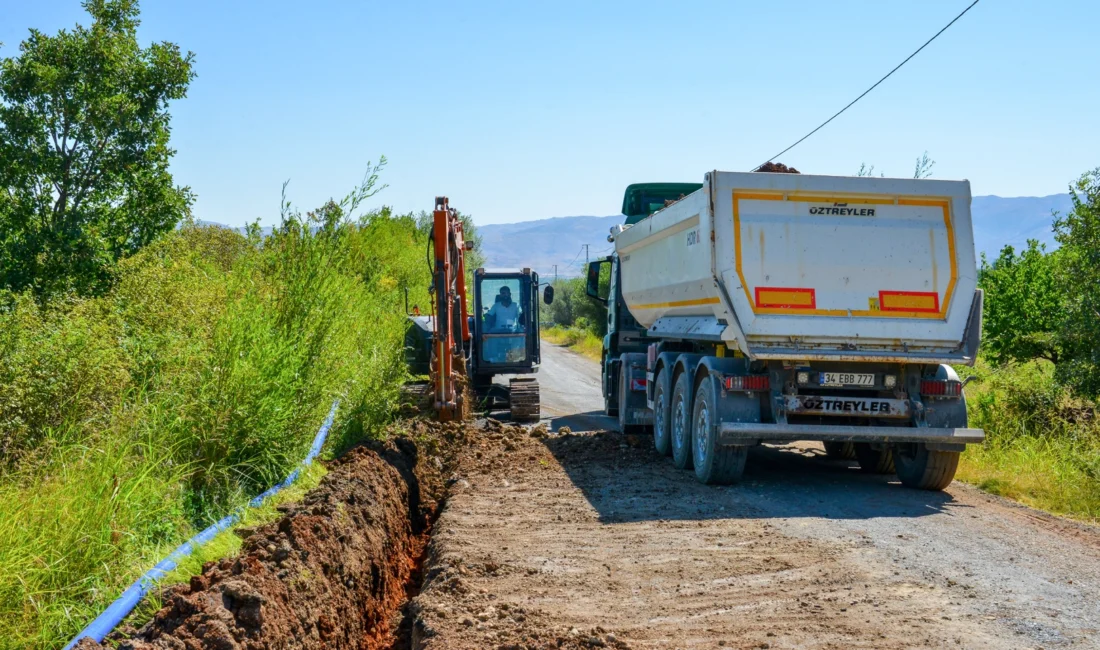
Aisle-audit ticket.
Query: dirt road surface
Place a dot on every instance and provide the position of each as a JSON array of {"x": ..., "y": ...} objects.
[{"x": 593, "y": 540}]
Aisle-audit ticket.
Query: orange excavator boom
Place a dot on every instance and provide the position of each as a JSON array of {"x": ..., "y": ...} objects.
[{"x": 452, "y": 330}]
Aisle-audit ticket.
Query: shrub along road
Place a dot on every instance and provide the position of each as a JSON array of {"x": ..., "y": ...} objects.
[{"x": 592, "y": 539}]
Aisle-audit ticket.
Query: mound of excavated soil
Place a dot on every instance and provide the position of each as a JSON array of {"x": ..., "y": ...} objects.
[{"x": 331, "y": 573}]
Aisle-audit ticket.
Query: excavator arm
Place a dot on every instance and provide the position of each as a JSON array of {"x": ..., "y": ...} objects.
[{"x": 451, "y": 339}]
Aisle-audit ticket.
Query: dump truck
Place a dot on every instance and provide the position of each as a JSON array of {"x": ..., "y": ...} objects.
[{"x": 779, "y": 307}]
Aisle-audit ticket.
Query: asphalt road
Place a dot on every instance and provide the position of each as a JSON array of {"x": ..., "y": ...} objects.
[{"x": 804, "y": 552}]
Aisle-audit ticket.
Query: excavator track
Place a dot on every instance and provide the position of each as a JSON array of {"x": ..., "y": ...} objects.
[{"x": 523, "y": 396}]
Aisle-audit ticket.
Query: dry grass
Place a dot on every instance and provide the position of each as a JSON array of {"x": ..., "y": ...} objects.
[
  {"x": 579, "y": 340},
  {"x": 1042, "y": 446}
]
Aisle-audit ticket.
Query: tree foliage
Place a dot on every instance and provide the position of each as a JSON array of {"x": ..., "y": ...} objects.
[
  {"x": 1023, "y": 304},
  {"x": 573, "y": 307},
  {"x": 1078, "y": 233},
  {"x": 84, "y": 132}
]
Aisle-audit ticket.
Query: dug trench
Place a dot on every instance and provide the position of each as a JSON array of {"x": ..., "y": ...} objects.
[{"x": 336, "y": 570}]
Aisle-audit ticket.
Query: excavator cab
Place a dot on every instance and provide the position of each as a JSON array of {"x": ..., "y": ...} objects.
[{"x": 505, "y": 328}]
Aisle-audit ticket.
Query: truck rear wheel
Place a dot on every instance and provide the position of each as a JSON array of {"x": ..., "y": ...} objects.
[
  {"x": 925, "y": 469},
  {"x": 714, "y": 464},
  {"x": 662, "y": 437},
  {"x": 680, "y": 423},
  {"x": 838, "y": 450},
  {"x": 874, "y": 461}
]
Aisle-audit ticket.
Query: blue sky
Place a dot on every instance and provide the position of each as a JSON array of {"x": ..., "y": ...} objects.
[{"x": 520, "y": 110}]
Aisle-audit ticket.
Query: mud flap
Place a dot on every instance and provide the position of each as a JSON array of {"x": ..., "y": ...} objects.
[{"x": 733, "y": 406}]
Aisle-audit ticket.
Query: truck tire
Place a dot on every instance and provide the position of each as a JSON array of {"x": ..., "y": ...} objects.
[
  {"x": 624, "y": 428},
  {"x": 680, "y": 422},
  {"x": 837, "y": 450},
  {"x": 874, "y": 461},
  {"x": 662, "y": 437},
  {"x": 622, "y": 399},
  {"x": 610, "y": 403},
  {"x": 714, "y": 464},
  {"x": 922, "y": 468}
]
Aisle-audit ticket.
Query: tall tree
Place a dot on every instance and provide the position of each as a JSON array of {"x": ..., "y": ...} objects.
[
  {"x": 1024, "y": 304},
  {"x": 84, "y": 131},
  {"x": 1078, "y": 232}
]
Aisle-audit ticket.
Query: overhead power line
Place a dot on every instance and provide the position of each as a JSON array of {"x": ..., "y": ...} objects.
[
  {"x": 579, "y": 251},
  {"x": 936, "y": 35}
]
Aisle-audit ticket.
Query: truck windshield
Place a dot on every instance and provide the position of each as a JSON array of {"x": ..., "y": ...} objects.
[{"x": 643, "y": 199}]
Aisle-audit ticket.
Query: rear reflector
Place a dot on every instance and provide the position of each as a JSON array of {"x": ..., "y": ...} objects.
[
  {"x": 940, "y": 388},
  {"x": 637, "y": 384},
  {"x": 914, "y": 301},
  {"x": 750, "y": 382},
  {"x": 786, "y": 297}
]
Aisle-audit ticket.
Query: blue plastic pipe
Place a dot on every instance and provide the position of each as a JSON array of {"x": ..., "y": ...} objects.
[{"x": 124, "y": 604}]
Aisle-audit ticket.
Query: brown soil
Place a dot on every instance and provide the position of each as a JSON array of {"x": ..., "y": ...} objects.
[
  {"x": 520, "y": 558},
  {"x": 333, "y": 572},
  {"x": 777, "y": 168}
]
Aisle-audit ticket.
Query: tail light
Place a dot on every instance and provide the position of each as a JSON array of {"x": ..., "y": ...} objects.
[
  {"x": 746, "y": 382},
  {"x": 940, "y": 388}
]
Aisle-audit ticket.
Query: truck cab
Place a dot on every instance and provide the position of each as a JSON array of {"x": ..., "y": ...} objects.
[{"x": 625, "y": 336}]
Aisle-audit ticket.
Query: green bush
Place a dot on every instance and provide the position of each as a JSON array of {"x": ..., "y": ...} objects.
[
  {"x": 132, "y": 419},
  {"x": 1042, "y": 443}
]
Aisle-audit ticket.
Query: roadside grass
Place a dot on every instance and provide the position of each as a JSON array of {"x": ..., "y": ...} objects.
[
  {"x": 130, "y": 421},
  {"x": 578, "y": 339},
  {"x": 1042, "y": 446}
]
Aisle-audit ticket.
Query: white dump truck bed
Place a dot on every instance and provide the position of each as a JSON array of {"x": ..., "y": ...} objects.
[{"x": 793, "y": 266}]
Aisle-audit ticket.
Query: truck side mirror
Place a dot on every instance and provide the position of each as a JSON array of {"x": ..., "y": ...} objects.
[
  {"x": 548, "y": 294},
  {"x": 592, "y": 288}
]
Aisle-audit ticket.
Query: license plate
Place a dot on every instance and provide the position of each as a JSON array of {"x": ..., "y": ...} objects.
[{"x": 847, "y": 379}]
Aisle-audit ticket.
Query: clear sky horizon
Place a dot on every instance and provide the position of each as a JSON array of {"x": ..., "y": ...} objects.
[{"x": 522, "y": 111}]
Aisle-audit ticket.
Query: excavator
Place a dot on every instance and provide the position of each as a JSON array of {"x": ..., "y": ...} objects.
[{"x": 457, "y": 349}]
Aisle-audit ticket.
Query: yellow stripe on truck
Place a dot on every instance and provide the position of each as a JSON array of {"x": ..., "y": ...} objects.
[{"x": 678, "y": 303}]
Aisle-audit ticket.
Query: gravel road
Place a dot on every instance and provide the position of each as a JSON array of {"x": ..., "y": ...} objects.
[{"x": 596, "y": 539}]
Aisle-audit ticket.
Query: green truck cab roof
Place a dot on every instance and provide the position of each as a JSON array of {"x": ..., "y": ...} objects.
[{"x": 643, "y": 199}]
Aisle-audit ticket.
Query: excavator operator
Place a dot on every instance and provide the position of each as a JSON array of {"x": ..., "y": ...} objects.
[{"x": 503, "y": 316}]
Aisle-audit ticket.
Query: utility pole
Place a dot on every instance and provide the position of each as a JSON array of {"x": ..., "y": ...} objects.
[
  {"x": 586, "y": 255},
  {"x": 555, "y": 276}
]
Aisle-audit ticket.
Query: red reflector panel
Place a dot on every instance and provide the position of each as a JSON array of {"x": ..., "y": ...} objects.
[
  {"x": 915, "y": 301},
  {"x": 786, "y": 297},
  {"x": 940, "y": 388},
  {"x": 751, "y": 382},
  {"x": 637, "y": 384}
]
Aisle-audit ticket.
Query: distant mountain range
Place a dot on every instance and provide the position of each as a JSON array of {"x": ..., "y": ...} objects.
[{"x": 543, "y": 243}]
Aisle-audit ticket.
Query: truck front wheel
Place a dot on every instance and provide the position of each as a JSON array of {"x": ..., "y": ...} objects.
[
  {"x": 714, "y": 464},
  {"x": 662, "y": 436},
  {"x": 610, "y": 401},
  {"x": 925, "y": 469},
  {"x": 680, "y": 423}
]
